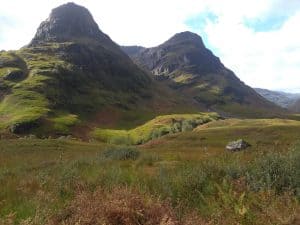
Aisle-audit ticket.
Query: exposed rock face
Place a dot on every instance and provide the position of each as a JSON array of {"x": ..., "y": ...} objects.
[
  {"x": 237, "y": 145},
  {"x": 184, "y": 51},
  {"x": 68, "y": 22},
  {"x": 195, "y": 71}
]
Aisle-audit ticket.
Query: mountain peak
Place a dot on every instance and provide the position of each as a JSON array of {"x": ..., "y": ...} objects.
[
  {"x": 184, "y": 37},
  {"x": 68, "y": 21}
]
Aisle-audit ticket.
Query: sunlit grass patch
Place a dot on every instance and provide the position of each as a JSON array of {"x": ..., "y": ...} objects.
[{"x": 155, "y": 128}]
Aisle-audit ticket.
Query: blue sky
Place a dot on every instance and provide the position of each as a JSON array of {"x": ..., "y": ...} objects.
[{"x": 258, "y": 39}]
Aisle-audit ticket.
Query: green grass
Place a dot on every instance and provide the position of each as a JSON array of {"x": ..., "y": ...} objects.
[
  {"x": 248, "y": 123},
  {"x": 7, "y": 70},
  {"x": 39, "y": 178},
  {"x": 184, "y": 78},
  {"x": 63, "y": 121},
  {"x": 22, "y": 107},
  {"x": 247, "y": 111},
  {"x": 155, "y": 128}
]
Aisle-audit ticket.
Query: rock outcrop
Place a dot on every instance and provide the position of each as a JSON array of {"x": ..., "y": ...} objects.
[
  {"x": 237, "y": 145},
  {"x": 68, "y": 22}
]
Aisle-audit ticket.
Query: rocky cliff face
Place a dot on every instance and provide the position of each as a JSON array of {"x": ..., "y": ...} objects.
[
  {"x": 194, "y": 70},
  {"x": 184, "y": 51},
  {"x": 68, "y": 22}
]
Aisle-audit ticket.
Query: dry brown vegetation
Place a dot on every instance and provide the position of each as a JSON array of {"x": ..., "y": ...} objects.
[{"x": 121, "y": 206}]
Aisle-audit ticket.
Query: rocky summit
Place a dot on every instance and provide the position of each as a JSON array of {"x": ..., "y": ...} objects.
[{"x": 69, "y": 21}]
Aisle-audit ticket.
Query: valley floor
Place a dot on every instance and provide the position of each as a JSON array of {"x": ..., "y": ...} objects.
[{"x": 183, "y": 178}]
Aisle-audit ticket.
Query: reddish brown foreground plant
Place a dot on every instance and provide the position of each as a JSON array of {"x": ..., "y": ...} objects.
[{"x": 118, "y": 207}]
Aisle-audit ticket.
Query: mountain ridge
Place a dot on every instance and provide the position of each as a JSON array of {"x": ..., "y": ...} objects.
[{"x": 195, "y": 71}]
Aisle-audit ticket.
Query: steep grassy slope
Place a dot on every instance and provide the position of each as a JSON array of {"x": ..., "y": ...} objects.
[
  {"x": 53, "y": 86},
  {"x": 190, "y": 68}
]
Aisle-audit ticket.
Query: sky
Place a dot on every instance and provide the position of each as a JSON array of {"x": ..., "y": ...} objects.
[{"x": 258, "y": 39}]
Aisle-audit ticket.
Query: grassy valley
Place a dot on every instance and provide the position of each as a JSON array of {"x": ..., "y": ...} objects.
[{"x": 189, "y": 176}]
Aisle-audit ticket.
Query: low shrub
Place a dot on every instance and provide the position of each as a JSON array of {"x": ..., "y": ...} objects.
[
  {"x": 121, "y": 153},
  {"x": 275, "y": 171},
  {"x": 119, "y": 207}
]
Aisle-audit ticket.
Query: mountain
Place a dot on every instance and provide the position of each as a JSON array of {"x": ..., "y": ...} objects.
[
  {"x": 280, "y": 98},
  {"x": 72, "y": 74},
  {"x": 132, "y": 51},
  {"x": 295, "y": 107},
  {"x": 190, "y": 68}
]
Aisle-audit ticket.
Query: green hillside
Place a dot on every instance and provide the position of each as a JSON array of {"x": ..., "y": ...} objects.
[{"x": 158, "y": 127}]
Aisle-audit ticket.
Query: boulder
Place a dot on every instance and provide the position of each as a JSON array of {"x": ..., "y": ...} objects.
[{"x": 237, "y": 145}]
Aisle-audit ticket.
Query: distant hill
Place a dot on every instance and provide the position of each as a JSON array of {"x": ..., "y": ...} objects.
[
  {"x": 283, "y": 99},
  {"x": 192, "y": 69}
]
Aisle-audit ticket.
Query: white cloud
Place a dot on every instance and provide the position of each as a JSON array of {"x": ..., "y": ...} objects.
[
  {"x": 269, "y": 59},
  {"x": 127, "y": 22}
]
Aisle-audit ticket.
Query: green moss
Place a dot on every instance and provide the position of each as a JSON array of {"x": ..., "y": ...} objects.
[
  {"x": 184, "y": 78},
  {"x": 6, "y": 70},
  {"x": 112, "y": 136},
  {"x": 63, "y": 122},
  {"x": 11, "y": 59},
  {"x": 215, "y": 90},
  {"x": 22, "y": 106},
  {"x": 202, "y": 86}
]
